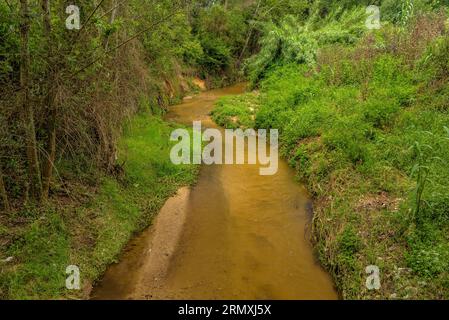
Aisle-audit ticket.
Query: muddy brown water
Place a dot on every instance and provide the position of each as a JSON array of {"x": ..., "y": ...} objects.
[{"x": 235, "y": 235}]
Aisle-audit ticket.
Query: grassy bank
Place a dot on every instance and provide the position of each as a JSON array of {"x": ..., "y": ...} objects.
[
  {"x": 367, "y": 132},
  {"x": 89, "y": 226}
]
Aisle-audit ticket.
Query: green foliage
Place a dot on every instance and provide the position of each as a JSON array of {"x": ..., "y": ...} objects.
[
  {"x": 282, "y": 44},
  {"x": 43, "y": 251},
  {"x": 221, "y": 33},
  {"x": 429, "y": 252},
  {"x": 400, "y": 12},
  {"x": 293, "y": 41},
  {"x": 434, "y": 64},
  {"x": 304, "y": 124},
  {"x": 421, "y": 169},
  {"x": 236, "y": 111},
  {"x": 380, "y": 112},
  {"x": 296, "y": 90},
  {"x": 428, "y": 260},
  {"x": 92, "y": 236},
  {"x": 216, "y": 54},
  {"x": 349, "y": 134},
  {"x": 348, "y": 242},
  {"x": 9, "y": 42}
]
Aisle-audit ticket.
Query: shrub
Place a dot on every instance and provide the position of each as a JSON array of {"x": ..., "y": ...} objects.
[
  {"x": 294, "y": 42},
  {"x": 348, "y": 244},
  {"x": 217, "y": 55},
  {"x": 236, "y": 111},
  {"x": 434, "y": 65},
  {"x": 282, "y": 44},
  {"x": 307, "y": 121},
  {"x": 380, "y": 113},
  {"x": 428, "y": 260},
  {"x": 349, "y": 134}
]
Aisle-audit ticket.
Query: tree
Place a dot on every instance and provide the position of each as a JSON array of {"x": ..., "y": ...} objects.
[
  {"x": 50, "y": 104},
  {"x": 27, "y": 108}
]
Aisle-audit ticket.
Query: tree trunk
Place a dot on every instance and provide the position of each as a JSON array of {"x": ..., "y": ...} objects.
[
  {"x": 111, "y": 21},
  {"x": 3, "y": 193},
  {"x": 27, "y": 108},
  {"x": 50, "y": 104},
  {"x": 248, "y": 38}
]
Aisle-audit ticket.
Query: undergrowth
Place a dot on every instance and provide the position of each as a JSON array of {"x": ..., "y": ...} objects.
[{"x": 92, "y": 236}]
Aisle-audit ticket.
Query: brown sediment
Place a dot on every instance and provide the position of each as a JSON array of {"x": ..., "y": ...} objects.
[
  {"x": 163, "y": 243},
  {"x": 146, "y": 258}
]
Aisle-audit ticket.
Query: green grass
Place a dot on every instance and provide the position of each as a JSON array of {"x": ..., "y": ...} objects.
[
  {"x": 236, "y": 111},
  {"x": 350, "y": 134},
  {"x": 92, "y": 236}
]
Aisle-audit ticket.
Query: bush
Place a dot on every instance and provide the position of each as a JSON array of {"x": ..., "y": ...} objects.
[
  {"x": 428, "y": 260},
  {"x": 348, "y": 244},
  {"x": 217, "y": 55},
  {"x": 285, "y": 88},
  {"x": 291, "y": 41},
  {"x": 235, "y": 111},
  {"x": 307, "y": 121},
  {"x": 434, "y": 65},
  {"x": 349, "y": 134},
  {"x": 380, "y": 113}
]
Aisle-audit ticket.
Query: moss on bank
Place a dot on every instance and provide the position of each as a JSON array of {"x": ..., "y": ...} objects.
[{"x": 91, "y": 235}]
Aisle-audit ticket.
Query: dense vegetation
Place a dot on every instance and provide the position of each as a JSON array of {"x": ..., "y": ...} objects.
[
  {"x": 65, "y": 93},
  {"x": 364, "y": 119},
  {"x": 67, "y": 175},
  {"x": 90, "y": 232}
]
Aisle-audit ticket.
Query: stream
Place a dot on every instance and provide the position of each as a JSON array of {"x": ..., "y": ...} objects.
[{"x": 234, "y": 235}]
